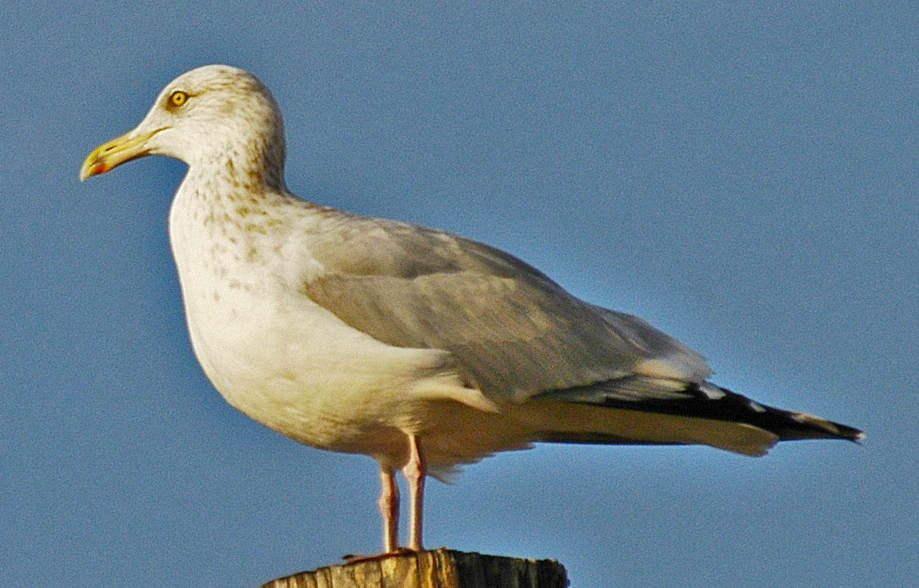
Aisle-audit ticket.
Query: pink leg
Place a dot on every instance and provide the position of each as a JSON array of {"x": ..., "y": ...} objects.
[
  {"x": 415, "y": 471},
  {"x": 389, "y": 508}
]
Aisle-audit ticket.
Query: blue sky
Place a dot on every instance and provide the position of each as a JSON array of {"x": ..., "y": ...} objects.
[{"x": 742, "y": 175}]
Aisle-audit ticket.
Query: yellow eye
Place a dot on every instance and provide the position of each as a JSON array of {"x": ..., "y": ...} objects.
[{"x": 178, "y": 98}]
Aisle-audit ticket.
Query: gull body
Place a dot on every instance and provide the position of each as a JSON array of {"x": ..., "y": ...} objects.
[{"x": 416, "y": 347}]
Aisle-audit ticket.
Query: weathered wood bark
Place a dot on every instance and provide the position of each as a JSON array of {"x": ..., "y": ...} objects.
[{"x": 433, "y": 569}]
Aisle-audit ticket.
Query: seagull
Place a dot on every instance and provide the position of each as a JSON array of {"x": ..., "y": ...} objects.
[{"x": 416, "y": 347}]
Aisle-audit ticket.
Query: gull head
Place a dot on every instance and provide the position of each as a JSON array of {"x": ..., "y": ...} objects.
[{"x": 214, "y": 115}]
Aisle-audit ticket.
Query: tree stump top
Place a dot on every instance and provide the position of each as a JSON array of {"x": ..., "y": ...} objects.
[{"x": 443, "y": 568}]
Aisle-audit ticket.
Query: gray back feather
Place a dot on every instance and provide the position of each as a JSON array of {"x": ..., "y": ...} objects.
[{"x": 513, "y": 332}]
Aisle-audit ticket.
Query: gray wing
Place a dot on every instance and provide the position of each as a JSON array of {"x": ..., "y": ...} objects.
[{"x": 513, "y": 332}]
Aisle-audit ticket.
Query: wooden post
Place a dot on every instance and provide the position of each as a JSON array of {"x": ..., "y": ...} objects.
[{"x": 443, "y": 568}]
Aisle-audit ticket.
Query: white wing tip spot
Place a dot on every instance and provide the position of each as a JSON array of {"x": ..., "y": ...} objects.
[
  {"x": 712, "y": 392},
  {"x": 757, "y": 407}
]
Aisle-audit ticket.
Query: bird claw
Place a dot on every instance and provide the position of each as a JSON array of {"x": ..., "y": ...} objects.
[{"x": 350, "y": 558}]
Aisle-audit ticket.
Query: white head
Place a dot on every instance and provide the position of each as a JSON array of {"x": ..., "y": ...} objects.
[{"x": 212, "y": 115}]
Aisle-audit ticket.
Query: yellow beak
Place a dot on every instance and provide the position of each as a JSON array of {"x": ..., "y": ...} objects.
[{"x": 114, "y": 153}]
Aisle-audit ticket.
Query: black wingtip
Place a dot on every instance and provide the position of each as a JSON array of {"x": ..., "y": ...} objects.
[
  {"x": 855, "y": 436},
  {"x": 814, "y": 427},
  {"x": 708, "y": 401}
]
